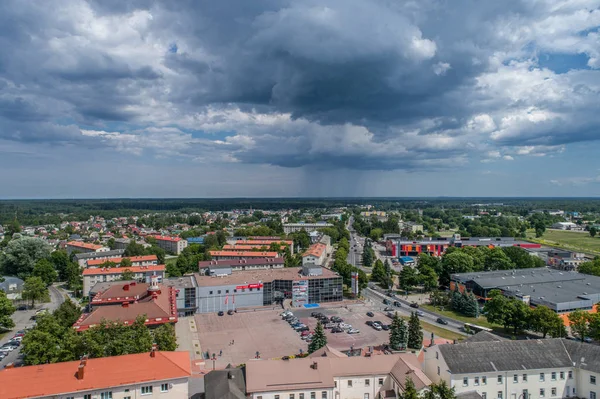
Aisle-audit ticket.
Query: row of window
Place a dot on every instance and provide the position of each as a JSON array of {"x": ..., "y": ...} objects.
[
  {"x": 349, "y": 382},
  {"x": 553, "y": 393},
  {"x": 313, "y": 395},
  {"x": 145, "y": 390},
  {"x": 234, "y": 291},
  {"x": 553, "y": 376}
]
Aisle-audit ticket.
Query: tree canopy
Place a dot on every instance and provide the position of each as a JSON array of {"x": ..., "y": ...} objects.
[{"x": 21, "y": 255}]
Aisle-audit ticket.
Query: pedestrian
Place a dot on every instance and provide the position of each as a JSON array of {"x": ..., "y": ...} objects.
[
  {"x": 232, "y": 341},
  {"x": 221, "y": 353}
]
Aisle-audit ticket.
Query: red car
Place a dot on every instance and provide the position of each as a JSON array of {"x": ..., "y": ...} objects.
[{"x": 305, "y": 333}]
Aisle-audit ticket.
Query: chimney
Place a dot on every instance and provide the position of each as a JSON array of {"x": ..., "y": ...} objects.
[
  {"x": 81, "y": 368},
  {"x": 126, "y": 287},
  {"x": 9, "y": 366},
  {"x": 314, "y": 366},
  {"x": 125, "y": 304},
  {"x": 154, "y": 350}
]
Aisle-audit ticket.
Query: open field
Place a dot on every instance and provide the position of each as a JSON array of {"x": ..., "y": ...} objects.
[{"x": 573, "y": 240}]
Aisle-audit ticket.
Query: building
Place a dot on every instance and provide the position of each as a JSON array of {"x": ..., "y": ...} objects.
[
  {"x": 122, "y": 243},
  {"x": 265, "y": 287},
  {"x": 83, "y": 247},
  {"x": 334, "y": 377},
  {"x": 229, "y": 383},
  {"x": 509, "y": 369},
  {"x": 368, "y": 214},
  {"x": 94, "y": 275},
  {"x": 124, "y": 303},
  {"x": 171, "y": 244},
  {"x": 565, "y": 226},
  {"x": 410, "y": 226},
  {"x": 564, "y": 260},
  {"x": 561, "y": 291},
  {"x": 238, "y": 255},
  {"x": 336, "y": 216},
  {"x": 185, "y": 288},
  {"x": 195, "y": 240},
  {"x": 145, "y": 260},
  {"x": 12, "y": 286},
  {"x": 215, "y": 267},
  {"x": 316, "y": 254},
  {"x": 248, "y": 245},
  {"x": 82, "y": 259},
  {"x": 308, "y": 227},
  {"x": 437, "y": 246},
  {"x": 156, "y": 374}
]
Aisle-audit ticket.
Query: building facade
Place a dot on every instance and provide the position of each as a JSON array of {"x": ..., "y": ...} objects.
[
  {"x": 239, "y": 255},
  {"x": 316, "y": 254},
  {"x": 308, "y": 227},
  {"x": 171, "y": 244},
  {"x": 214, "y": 267},
  {"x": 93, "y": 276},
  {"x": 83, "y": 258},
  {"x": 83, "y": 247}
]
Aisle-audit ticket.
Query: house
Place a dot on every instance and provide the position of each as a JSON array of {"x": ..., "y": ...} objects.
[
  {"x": 315, "y": 255},
  {"x": 506, "y": 369},
  {"x": 334, "y": 377},
  {"x": 83, "y": 247},
  {"x": 94, "y": 275},
  {"x": 225, "y": 384},
  {"x": 83, "y": 258},
  {"x": 308, "y": 227},
  {"x": 158, "y": 374}
]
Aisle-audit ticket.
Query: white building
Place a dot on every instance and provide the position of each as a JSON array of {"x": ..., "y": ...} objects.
[
  {"x": 315, "y": 255},
  {"x": 95, "y": 275},
  {"x": 565, "y": 226},
  {"x": 308, "y": 227},
  {"x": 151, "y": 375},
  {"x": 505, "y": 369},
  {"x": 330, "y": 374},
  {"x": 83, "y": 247},
  {"x": 171, "y": 244}
]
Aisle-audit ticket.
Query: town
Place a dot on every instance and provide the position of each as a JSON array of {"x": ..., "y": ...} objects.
[{"x": 335, "y": 300}]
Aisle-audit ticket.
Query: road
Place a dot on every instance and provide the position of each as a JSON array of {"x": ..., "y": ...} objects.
[
  {"x": 22, "y": 319},
  {"x": 357, "y": 244}
]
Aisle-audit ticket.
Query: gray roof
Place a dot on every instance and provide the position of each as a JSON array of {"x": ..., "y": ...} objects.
[
  {"x": 225, "y": 384},
  {"x": 468, "y": 395},
  {"x": 180, "y": 282},
  {"x": 474, "y": 357},
  {"x": 583, "y": 355},
  {"x": 225, "y": 263},
  {"x": 11, "y": 281},
  {"x": 484, "y": 336},
  {"x": 89, "y": 255}
]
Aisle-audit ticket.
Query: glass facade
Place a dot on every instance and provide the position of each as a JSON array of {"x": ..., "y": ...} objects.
[{"x": 320, "y": 290}]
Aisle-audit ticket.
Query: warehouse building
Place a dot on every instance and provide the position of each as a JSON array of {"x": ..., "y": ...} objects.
[{"x": 303, "y": 285}]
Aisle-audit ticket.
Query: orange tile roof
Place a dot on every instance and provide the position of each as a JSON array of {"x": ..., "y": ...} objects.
[
  {"x": 84, "y": 245},
  {"x": 244, "y": 254},
  {"x": 166, "y": 238},
  {"x": 264, "y": 242},
  {"x": 315, "y": 250},
  {"x": 94, "y": 271},
  {"x": 60, "y": 378},
  {"x": 145, "y": 258},
  {"x": 248, "y": 247}
]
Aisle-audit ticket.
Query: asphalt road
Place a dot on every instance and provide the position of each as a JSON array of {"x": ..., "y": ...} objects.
[{"x": 22, "y": 319}]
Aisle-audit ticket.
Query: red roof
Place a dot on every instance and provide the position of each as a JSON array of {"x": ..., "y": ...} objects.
[
  {"x": 145, "y": 258},
  {"x": 245, "y": 254},
  {"x": 108, "y": 372},
  {"x": 315, "y": 250},
  {"x": 84, "y": 245},
  {"x": 264, "y": 242},
  {"x": 94, "y": 271},
  {"x": 166, "y": 238}
]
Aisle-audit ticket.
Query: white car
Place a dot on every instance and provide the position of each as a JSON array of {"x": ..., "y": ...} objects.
[
  {"x": 353, "y": 331},
  {"x": 345, "y": 326}
]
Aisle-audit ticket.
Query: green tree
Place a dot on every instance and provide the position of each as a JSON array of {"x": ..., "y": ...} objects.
[
  {"x": 67, "y": 313},
  {"x": 408, "y": 278},
  {"x": 378, "y": 273},
  {"x": 455, "y": 262},
  {"x": 319, "y": 339},
  {"x": 398, "y": 333},
  {"x": 44, "y": 269},
  {"x": 593, "y": 231},
  {"x": 125, "y": 262},
  {"x": 34, "y": 289},
  {"x": 591, "y": 267},
  {"x": 367, "y": 257},
  {"x": 6, "y": 310},
  {"x": 111, "y": 243},
  {"x": 165, "y": 338},
  {"x": 60, "y": 260},
  {"x": 579, "y": 323},
  {"x": 545, "y": 321},
  {"x": 21, "y": 255},
  {"x": 496, "y": 259},
  {"x": 376, "y": 234},
  {"x": 415, "y": 334},
  {"x": 127, "y": 275},
  {"x": 409, "y": 391},
  {"x": 470, "y": 305},
  {"x": 134, "y": 249},
  {"x": 441, "y": 390}
]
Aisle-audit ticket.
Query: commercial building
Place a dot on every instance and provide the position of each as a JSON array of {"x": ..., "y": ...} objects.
[
  {"x": 316, "y": 254},
  {"x": 185, "y": 289},
  {"x": 566, "y": 226},
  {"x": 507, "y": 369},
  {"x": 561, "y": 291},
  {"x": 124, "y": 303},
  {"x": 437, "y": 246},
  {"x": 564, "y": 260},
  {"x": 308, "y": 227},
  {"x": 264, "y": 287},
  {"x": 215, "y": 267},
  {"x": 334, "y": 377},
  {"x": 145, "y": 260},
  {"x": 238, "y": 255},
  {"x": 84, "y": 247},
  {"x": 94, "y": 275},
  {"x": 171, "y": 244},
  {"x": 156, "y": 374},
  {"x": 83, "y": 258}
]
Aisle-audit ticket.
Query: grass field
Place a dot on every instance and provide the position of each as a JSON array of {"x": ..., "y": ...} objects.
[
  {"x": 573, "y": 240},
  {"x": 480, "y": 321},
  {"x": 438, "y": 331}
]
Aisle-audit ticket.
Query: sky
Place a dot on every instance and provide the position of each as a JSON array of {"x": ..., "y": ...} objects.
[{"x": 265, "y": 98}]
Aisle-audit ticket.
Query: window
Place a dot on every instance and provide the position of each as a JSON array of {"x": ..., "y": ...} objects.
[
  {"x": 465, "y": 381},
  {"x": 70, "y": 397},
  {"x": 367, "y": 382},
  {"x": 499, "y": 379},
  {"x": 335, "y": 384},
  {"x": 209, "y": 292},
  {"x": 300, "y": 396},
  {"x": 164, "y": 387},
  {"x": 483, "y": 380},
  {"x": 259, "y": 397},
  {"x": 499, "y": 395},
  {"x": 292, "y": 396},
  {"x": 593, "y": 379},
  {"x": 562, "y": 375},
  {"x": 524, "y": 377},
  {"x": 234, "y": 291},
  {"x": 323, "y": 394},
  {"x": 553, "y": 376},
  {"x": 438, "y": 370},
  {"x": 476, "y": 381},
  {"x": 515, "y": 378},
  {"x": 313, "y": 395},
  {"x": 592, "y": 395},
  {"x": 349, "y": 383},
  {"x": 542, "y": 377},
  {"x": 366, "y": 396},
  {"x": 147, "y": 390},
  {"x": 553, "y": 391},
  {"x": 542, "y": 392},
  {"x": 570, "y": 374},
  {"x": 484, "y": 395},
  {"x": 106, "y": 395},
  {"x": 227, "y": 291},
  {"x": 437, "y": 355},
  {"x": 126, "y": 397},
  {"x": 380, "y": 381},
  {"x": 218, "y": 291},
  {"x": 87, "y": 396},
  {"x": 276, "y": 396}
]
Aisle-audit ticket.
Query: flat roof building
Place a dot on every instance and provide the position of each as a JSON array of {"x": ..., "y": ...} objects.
[
  {"x": 308, "y": 227},
  {"x": 236, "y": 255},
  {"x": 214, "y": 267}
]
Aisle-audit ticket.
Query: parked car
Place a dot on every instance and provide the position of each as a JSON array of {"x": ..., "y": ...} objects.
[
  {"x": 414, "y": 305},
  {"x": 442, "y": 321},
  {"x": 370, "y": 314},
  {"x": 377, "y": 327},
  {"x": 587, "y": 339},
  {"x": 388, "y": 309},
  {"x": 336, "y": 319},
  {"x": 369, "y": 323},
  {"x": 386, "y": 302},
  {"x": 230, "y": 312},
  {"x": 22, "y": 307},
  {"x": 302, "y": 328},
  {"x": 345, "y": 326},
  {"x": 336, "y": 330},
  {"x": 390, "y": 315},
  {"x": 330, "y": 325},
  {"x": 221, "y": 313},
  {"x": 397, "y": 304},
  {"x": 385, "y": 327},
  {"x": 305, "y": 333},
  {"x": 314, "y": 314},
  {"x": 353, "y": 331}
]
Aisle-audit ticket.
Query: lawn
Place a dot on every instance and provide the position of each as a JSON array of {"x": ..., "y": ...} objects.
[
  {"x": 573, "y": 240},
  {"x": 480, "y": 321},
  {"x": 172, "y": 260},
  {"x": 438, "y": 331}
]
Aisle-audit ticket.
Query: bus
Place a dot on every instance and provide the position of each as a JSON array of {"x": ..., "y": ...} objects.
[{"x": 474, "y": 329}]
